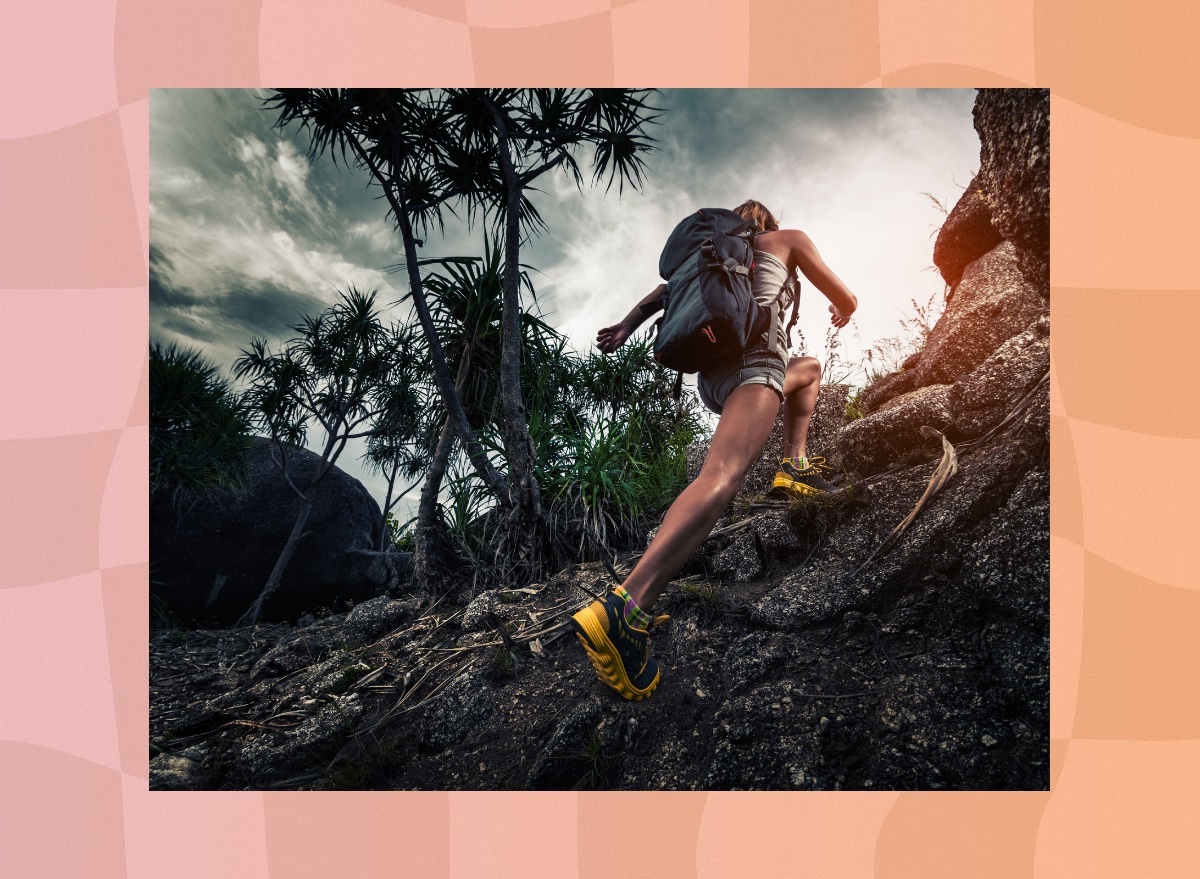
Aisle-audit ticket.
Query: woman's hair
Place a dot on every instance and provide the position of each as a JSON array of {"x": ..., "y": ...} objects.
[{"x": 757, "y": 213}]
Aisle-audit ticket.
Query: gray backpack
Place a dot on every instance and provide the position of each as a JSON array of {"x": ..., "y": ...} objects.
[{"x": 710, "y": 310}]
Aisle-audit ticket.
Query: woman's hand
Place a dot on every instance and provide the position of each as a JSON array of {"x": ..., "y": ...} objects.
[
  {"x": 611, "y": 338},
  {"x": 838, "y": 319}
]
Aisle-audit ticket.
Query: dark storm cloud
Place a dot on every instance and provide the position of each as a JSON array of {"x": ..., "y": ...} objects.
[
  {"x": 219, "y": 162},
  {"x": 717, "y": 126},
  {"x": 229, "y": 313}
]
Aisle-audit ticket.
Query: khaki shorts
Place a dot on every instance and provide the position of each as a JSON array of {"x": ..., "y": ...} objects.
[{"x": 757, "y": 366}]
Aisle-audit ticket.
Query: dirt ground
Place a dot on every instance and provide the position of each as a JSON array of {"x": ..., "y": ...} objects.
[{"x": 934, "y": 688}]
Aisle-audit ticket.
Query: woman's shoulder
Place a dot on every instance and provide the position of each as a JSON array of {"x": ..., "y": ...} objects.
[{"x": 782, "y": 243}]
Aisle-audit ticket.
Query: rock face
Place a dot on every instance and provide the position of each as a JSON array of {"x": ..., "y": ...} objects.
[
  {"x": 991, "y": 345},
  {"x": 211, "y": 558},
  {"x": 892, "y": 433},
  {"x": 966, "y": 235},
  {"x": 1014, "y": 164}
]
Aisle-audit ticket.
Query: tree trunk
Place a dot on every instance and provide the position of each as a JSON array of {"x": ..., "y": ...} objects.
[
  {"x": 492, "y": 478},
  {"x": 523, "y": 543},
  {"x": 428, "y": 565},
  {"x": 385, "y": 539},
  {"x": 255, "y": 610},
  {"x": 517, "y": 442}
]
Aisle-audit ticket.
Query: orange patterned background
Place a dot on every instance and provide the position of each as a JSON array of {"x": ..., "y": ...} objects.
[{"x": 1125, "y": 724}]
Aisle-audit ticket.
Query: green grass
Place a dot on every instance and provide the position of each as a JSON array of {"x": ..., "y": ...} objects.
[
  {"x": 706, "y": 599},
  {"x": 595, "y": 763},
  {"x": 368, "y": 767},
  {"x": 502, "y": 662}
]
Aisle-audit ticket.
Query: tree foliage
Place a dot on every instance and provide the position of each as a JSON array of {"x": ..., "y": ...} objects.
[{"x": 199, "y": 431}]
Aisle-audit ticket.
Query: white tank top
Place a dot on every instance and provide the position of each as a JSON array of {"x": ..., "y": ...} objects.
[{"x": 770, "y": 278}]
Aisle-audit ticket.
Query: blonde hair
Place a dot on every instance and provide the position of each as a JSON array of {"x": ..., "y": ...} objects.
[{"x": 757, "y": 213}]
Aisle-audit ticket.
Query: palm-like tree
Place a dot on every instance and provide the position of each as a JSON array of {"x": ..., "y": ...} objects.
[
  {"x": 465, "y": 296},
  {"x": 199, "y": 431},
  {"x": 399, "y": 137},
  {"x": 398, "y": 446},
  {"x": 333, "y": 375},
  {"x": 518, "y": 135},
  {"x": 483, "y": 149}
]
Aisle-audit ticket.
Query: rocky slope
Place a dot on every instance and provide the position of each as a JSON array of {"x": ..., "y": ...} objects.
[{"x": 797, "y": 655}]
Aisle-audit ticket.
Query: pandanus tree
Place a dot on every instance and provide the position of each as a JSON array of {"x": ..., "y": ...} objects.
[
  {"x": 399, "y": 138},
  {"x": 199, "y": 431},
  {"x": 332, "y": 376},
  {"x": 398, "y": 446},
  {"x": 507, "y": 139},
  {"x": 465, "y": 296},
  {"x": 483, "y": 149}
]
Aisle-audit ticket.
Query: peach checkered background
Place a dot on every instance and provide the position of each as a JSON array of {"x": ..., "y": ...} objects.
[{"x": 74, "y": 80}]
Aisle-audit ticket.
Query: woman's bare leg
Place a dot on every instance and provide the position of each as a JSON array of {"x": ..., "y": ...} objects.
[
  {"x": 801, "y": 385},
  {"x": 746, "y": 421}
]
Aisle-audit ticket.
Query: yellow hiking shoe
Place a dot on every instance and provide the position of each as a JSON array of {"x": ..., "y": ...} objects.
[
  {"x": 619, "y": 652},
  {"x": 792, "y": 482}
]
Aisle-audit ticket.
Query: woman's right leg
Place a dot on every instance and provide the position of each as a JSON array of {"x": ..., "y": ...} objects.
[
  {"x": 746, "y": 421},
  {"x": 801, "y": 385}
]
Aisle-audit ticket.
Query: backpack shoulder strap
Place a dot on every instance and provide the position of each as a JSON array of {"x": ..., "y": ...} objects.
[{"x": 794, "y": 283}]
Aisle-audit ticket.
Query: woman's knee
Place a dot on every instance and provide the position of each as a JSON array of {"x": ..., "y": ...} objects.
[
  {"x": 805, "y": 364},
  {"x": 801, "y": 373},
  {"x": 723, "y": 482}
]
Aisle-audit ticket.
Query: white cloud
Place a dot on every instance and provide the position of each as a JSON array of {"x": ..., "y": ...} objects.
[{"x": 855, "y": 189}]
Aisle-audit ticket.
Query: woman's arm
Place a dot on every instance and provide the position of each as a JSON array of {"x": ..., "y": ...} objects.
[
  {"x": 843, "y": 303},
  {"x": 611, "y": 338}
]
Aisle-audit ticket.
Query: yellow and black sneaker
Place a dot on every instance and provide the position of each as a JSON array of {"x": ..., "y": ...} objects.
[
  {"x": 620, "y": 652},
  {"x": 798, "y": 482}
]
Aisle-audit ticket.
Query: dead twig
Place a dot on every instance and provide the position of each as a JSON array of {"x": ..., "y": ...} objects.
[
  {"x": 835, "y": 696},
  {"x": 945, "y": 469}
]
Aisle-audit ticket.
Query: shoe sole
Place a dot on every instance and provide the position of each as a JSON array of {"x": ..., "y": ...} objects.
[
  {"x": 795, "y": 488},
  {"x": 605, "y": 658}
]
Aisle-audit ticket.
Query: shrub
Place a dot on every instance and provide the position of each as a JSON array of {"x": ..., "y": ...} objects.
[{"x": 199, "y": 430}]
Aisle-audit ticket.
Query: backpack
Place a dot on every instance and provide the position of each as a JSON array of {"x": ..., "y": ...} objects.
[{"x": 710, "y": 309}]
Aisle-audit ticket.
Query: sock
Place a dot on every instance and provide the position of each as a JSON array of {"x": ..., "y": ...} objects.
[
  {"x": 634, "y": 615},
  {"x": 800, "y": 462}
]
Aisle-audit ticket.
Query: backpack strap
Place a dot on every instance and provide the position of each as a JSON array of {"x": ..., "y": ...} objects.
[{"x": 794, "y": 282}]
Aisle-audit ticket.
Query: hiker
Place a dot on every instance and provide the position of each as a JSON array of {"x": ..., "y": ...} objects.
[{"x": 745, "y": 391}]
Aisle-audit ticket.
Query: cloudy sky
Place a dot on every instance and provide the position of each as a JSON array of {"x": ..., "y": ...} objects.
[{"x": 246, "y": 234}]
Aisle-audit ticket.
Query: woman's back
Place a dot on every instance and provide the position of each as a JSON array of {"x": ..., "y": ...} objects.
[{"x": 795, "y": 250}]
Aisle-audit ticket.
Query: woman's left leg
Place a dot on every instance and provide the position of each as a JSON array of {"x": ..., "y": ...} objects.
[
  {"x": 614, "y": 630},
  {"x": 797, "y": 477}
]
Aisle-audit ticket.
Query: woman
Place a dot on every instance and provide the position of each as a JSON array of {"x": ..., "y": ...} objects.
[{"x": 746, "y": 394}]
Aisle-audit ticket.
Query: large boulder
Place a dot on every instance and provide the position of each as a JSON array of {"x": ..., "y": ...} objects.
[
  {"x": 994, "y": 302},
  {"x": 1014, "y": 164},
  {"x": 981, "y": 400},
  {"x": 210, "y": 558},
  {"x": 999, "y": 296},
  {"x": 893, "y": 433},
  {"x": 946, "y": 532},
  {"x": 966, "y": 235}
]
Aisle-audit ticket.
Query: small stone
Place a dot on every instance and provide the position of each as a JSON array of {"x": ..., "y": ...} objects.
[{"x": 989, "y": 740}]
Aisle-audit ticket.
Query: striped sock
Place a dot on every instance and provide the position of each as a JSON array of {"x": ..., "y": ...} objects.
[
  {"x": 799, "y": 463},
  {"x": 634, "y": 615}
]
